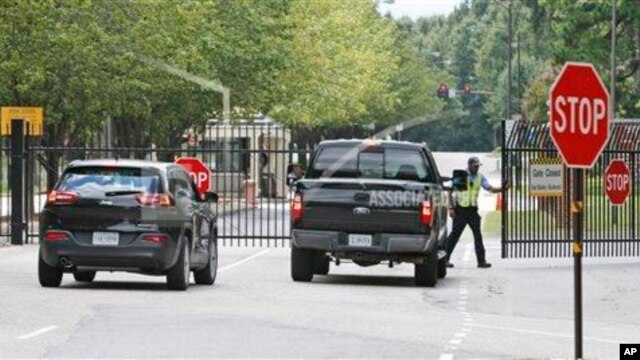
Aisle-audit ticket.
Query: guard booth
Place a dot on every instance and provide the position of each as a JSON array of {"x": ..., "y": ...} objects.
[{"x": 252, "y": 151}]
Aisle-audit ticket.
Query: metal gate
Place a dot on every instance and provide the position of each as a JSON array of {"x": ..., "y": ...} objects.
[
  {"x": 249, "y": 161},
  {"x": 541, "y": 226}
]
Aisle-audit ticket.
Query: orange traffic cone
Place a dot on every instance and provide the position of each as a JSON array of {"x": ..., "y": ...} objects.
[{"x": 499, "y": 202}]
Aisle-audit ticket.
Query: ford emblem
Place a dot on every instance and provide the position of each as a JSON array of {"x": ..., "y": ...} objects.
[{"x": 361, "y": 211}]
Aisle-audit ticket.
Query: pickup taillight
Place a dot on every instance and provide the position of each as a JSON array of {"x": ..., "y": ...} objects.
[
  {"x": 155, "y": 200},
  {"x": 297, "y": 209},
  {"x": 426, "y": 213},
  {"x": 62, "y": 198}
]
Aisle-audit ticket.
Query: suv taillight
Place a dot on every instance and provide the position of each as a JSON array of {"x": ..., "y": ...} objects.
[
  {"x": 426, "y": 213},
  {"x": 155, "y": 238},
  {"x": 62, "y": 198},
  {"x": 55, "y": 235},
  {"x": 297, "y": 210},
  {"x": 160, "y": 200}
]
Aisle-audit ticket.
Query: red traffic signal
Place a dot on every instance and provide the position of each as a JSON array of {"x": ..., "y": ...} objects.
[{"x": 443, "y": 91}]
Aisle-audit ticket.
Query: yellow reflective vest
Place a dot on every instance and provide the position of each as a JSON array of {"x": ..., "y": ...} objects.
[{"x": 469, "y": 198}]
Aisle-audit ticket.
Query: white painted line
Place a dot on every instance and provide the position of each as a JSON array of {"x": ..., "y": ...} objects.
[
  {"x": 455, "y": 341},
  {"x": 466, "y": 330},
  {"x": 467, "y": 253},
  {"x": 545, "y": 333},
  {"x": 460, "y": 335},
  {"x": 240, "y": 262},
  {"x": 446, "y": 357},
  {"x": 37, "y": 332},
  {"x": 461, "y": 308}
]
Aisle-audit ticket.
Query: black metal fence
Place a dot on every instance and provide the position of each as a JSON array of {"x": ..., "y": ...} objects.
[
  {"x": 249, "y": 161},
  {"x": 541, "y": 226}
]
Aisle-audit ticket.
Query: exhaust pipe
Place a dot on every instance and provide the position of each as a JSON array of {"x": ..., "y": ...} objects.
[{"x": 66, "y": 263}]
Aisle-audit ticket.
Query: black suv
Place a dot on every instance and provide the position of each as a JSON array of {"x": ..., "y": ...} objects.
[{"x": 127, "y": 215}]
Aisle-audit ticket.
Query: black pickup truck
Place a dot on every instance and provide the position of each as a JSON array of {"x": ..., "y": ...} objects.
[{"x": 370, "y": 202}]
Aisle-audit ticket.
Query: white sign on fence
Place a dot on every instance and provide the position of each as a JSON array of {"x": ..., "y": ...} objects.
[{"x": 546, "y": 177}]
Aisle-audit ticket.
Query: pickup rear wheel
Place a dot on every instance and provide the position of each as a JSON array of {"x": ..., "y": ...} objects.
[
  {"x": 302, "y": 261},
  {"x": 426, "y": 274},
  {"x": 321, "y": 263},
  {"x": 442, "y": 268}
]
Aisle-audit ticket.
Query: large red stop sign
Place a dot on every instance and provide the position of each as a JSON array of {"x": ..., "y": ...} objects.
[
  {"x": 198, "y": 172},
  {"x": 617, "y": 182},
  {"x": 579, "y": 116}
]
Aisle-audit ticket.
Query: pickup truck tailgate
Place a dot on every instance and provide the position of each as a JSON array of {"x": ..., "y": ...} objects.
[{"x": 365, "y": 206}]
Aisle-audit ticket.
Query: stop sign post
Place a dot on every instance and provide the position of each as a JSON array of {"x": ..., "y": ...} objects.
[
  {"x": 198, "y": 172},
  {"x": 617, "y": 182},
  {"x": 579, "y": 127}
]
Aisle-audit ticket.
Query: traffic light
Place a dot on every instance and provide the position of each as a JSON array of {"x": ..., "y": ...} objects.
[{"x": 443, "y": 91}]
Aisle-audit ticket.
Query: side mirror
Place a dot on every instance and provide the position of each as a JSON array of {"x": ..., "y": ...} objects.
[
  {"x": 459, "y": 180},
  {"x": 210, "y": 197}
]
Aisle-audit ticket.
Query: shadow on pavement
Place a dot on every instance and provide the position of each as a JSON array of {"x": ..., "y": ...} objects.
[
  {"x": 116, "y": 285},
  {"x": 364, "y": 280}
]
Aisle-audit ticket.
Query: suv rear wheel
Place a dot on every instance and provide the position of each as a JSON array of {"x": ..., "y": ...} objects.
[
  {"x": 321, "y": 263},
  {"x": 207, "y": 276},
  {"x": 84, "y": 276},
  {"x": 49, "y": 276}
]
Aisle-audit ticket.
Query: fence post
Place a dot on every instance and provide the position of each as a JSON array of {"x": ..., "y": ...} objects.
[{"x": 17, "y": 181}]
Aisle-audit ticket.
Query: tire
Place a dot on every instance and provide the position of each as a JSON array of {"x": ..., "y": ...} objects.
[
  {"x": 321, "y": 264},
  {"x": 49, "y": 276},
  {"x": 178, "y": 275},
  {"x": 442, "y": 268},
  {"x": 426, "y": 274},
  {"x": 302, "y": 261},
  {"x": 207, "y": 276},
  {"x": 84, "y": 276}
]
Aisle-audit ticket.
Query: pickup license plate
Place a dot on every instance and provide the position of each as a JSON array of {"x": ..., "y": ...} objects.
[
  {"x": 359, "y": 240},
  {"x": 106, "y": 238}
]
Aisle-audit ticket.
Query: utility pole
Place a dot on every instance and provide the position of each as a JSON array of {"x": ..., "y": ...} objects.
[{"x": 509, "y": 55}]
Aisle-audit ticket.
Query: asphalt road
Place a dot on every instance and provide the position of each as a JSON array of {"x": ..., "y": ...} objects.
[{"x": 517, "y": 309}]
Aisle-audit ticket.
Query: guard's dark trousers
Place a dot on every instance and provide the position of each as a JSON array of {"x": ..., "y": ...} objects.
[{"x": 464, "y": 216}]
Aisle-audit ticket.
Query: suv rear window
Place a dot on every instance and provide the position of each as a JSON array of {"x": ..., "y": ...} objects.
[
  {"x": 99, "y": 181},
  {"x": 371, "y": 163}
]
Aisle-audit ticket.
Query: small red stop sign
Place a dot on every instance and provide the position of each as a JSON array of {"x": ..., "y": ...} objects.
[
  {"x": 617, "y": 182},
  {"x": 198, "y": 172}
]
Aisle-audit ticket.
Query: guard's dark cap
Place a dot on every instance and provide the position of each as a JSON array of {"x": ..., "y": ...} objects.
[{"x": 474, "y": 160}]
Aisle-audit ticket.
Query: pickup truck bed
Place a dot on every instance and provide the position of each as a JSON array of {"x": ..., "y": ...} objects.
[{"x": 369, "y": 203}]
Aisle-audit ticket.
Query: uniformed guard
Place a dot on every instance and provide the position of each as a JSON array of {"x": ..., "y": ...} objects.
[{"x": 464, "y": 210}]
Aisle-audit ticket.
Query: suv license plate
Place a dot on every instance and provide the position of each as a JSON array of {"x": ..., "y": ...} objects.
[
  {"x": 359, "y": 240},
  {"x": 106, "y": 238}
]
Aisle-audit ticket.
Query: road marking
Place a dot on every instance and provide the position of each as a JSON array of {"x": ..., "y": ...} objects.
[
  {"x": 446, "y": 357},
  {"x": 455, "y": 341},
  {"x": 240, "y": 262},
  {"x": 467, "y": 253},
  {"x": 460, "y": 335},
  {"x": 544, "y": 333},
  {"x": 37, "y": 332}
]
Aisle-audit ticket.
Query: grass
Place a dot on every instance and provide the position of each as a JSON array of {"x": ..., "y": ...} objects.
[{"x": 599, "y": 216}]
